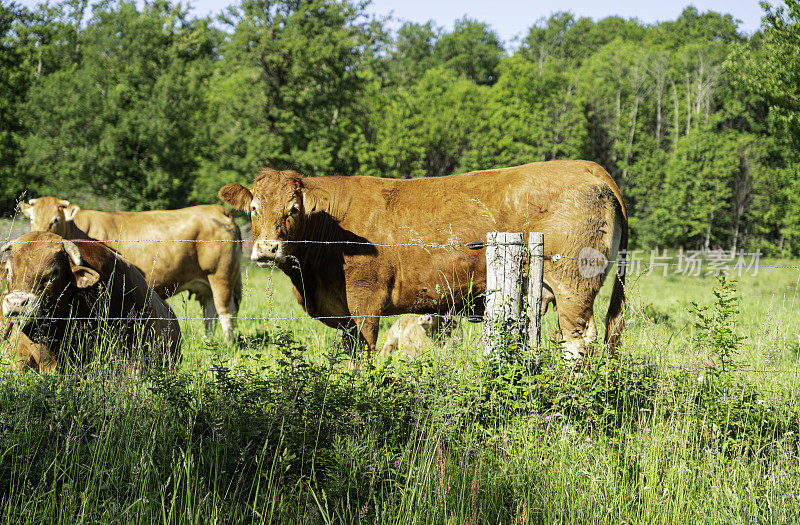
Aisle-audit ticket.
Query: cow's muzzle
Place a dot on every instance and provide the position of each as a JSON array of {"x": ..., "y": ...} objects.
[
  {"x": 266, "y": 252},
  {"x": 20, "y": 305}
]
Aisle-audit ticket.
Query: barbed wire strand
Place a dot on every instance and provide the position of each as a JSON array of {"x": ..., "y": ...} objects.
[{"x": 690, "y": 261}]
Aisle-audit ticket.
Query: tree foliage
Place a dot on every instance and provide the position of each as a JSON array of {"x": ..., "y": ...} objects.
[
  {"x": 770, "y": 65},
  {"x": 13, "y": 81},
  {"x": 121, "y": 117}
]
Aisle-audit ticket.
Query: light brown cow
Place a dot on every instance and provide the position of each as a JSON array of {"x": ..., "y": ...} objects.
[
  {"x": 369, "y": 269},
  {"x": 72, "y": 296},
  {"x": 412, "y": 332},
  {"x": 207, "y": 265}
]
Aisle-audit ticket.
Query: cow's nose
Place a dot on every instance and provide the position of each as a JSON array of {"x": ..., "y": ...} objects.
[
  {"x": 265, "y": 250},
  {"x": 15, "y": 303}
]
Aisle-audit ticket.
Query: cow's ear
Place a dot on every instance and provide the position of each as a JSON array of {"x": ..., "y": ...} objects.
[
  {"x": 26, "y": 209},
  {"x": 85, "y": 277},
  {"x": 236, "y": 195},
  {"x": 70, "y": 211}
]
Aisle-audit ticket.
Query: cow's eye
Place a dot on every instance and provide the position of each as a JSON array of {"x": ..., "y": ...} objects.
[
  {"x": 253, "y": 210},
  {"x": 294, "y": 210}
]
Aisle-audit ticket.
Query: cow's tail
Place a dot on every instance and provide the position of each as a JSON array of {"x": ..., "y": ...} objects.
[{"x": 615, "y": 317}]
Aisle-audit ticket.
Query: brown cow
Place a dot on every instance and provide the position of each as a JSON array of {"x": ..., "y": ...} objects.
[
  {"x": 71, "y": 296},
  {"x": 412, "y": 332},
  {"x": 208, "y": 266},
  {"x": 367, "y": 268}
]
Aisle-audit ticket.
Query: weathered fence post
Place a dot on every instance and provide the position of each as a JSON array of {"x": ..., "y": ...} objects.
[
  {"x": 535, "y": 281},
  {"x": 504, "y": 256}
]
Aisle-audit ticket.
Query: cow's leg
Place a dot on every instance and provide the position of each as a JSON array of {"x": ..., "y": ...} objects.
[
  {"x": 45, "y": 360},
  {"x": 16, "y": 356},
  {"x": 209, "y": 312},
  {"x": 225, "y": 303},
  {"x": 361, "y": 334},
  {"x": 368, "y": 332},
  {"x": 19, "y": 352},
  {"x": 352, "y": 342},
  {"x": 365, "y": 332},
  {"x": 365, "y": 303},
  {"x": 350, "y": 339}
]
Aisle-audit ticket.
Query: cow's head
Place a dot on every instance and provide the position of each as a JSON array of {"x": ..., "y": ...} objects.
[
  {"x": 277, "y": 206},
  {"x": 429, "y": 323},
  {"x": 42, "y": 269},
  {"x": 49, "y": 214}
]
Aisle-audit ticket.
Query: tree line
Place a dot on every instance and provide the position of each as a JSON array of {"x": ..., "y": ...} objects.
[{"x": 149, "y": 107}]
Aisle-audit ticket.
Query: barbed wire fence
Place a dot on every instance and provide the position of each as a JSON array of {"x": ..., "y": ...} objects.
[{"x": 689, "y": 263}]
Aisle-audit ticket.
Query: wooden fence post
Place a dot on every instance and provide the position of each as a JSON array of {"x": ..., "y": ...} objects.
[
  {"x": 504, "y": 256},
  {"x": 535, "y": 281}
]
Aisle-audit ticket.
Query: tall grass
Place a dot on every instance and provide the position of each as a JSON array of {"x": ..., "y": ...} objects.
[{"x": 273, "y": 429}]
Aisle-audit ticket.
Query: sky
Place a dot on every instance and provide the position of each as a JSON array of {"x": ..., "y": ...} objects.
[{"x": 512, "y": 18}]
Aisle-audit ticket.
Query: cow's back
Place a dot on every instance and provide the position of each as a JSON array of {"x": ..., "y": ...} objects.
[{"x": 171, "y": 247}]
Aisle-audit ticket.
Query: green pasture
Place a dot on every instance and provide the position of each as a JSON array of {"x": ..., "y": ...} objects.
[{"x": 274, "y": 428}]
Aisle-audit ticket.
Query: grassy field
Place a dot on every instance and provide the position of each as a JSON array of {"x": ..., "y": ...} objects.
[{"x": 274, "y": 429}]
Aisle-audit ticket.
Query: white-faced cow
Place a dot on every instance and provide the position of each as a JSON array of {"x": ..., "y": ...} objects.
[
  {"x": 71, "y": 296},
  {"x": 207, "y": 264},
  {"x": 347, "y": 242}
]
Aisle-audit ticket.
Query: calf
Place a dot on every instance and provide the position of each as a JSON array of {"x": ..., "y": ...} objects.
[
  {"x": 412, "y": 332},
  {"x": 70, "y": 296}
]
